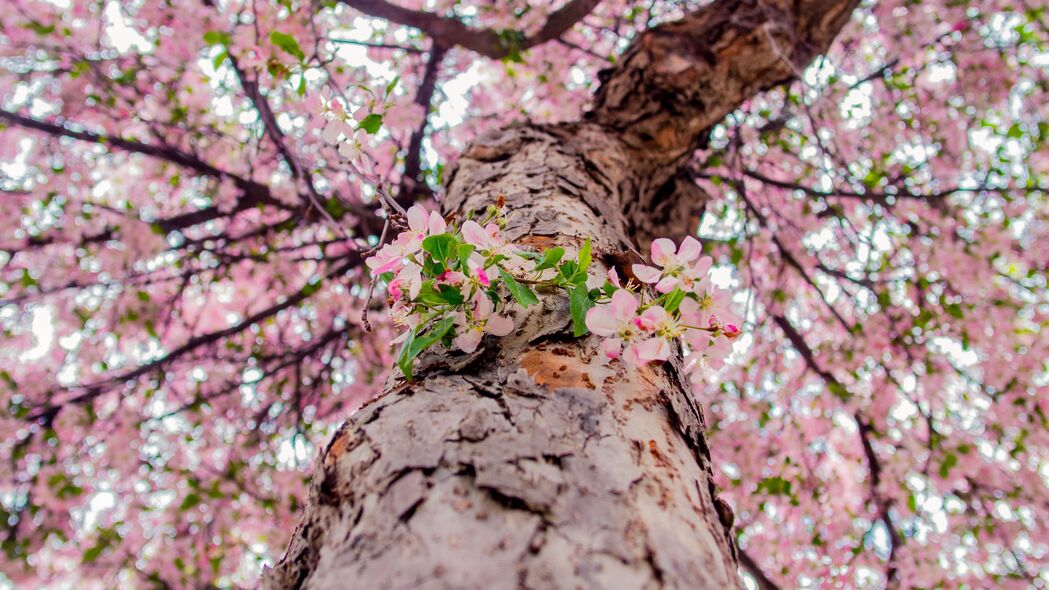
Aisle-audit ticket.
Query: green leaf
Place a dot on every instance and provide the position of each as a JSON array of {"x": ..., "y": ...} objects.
[
  {"x": 219, "y": 59},
  {"x": 430, "y": 295},
  {"x": 673, "y": 299},
  {"x": 404, "y": 362},
  {"x": 301, "y": 90},
  {"x": 948, "y": 463},
  {"x": 190, "y": 501},
  {"x": 371, "y": 124},
  {"x": 93, "y": 553},
  {"x": 774, "y": 486},
  {"x": 217, "y": 38},
  {"x": 451, "y": 294},
  {"x": 39, "y": 28},
  {"x": 464, "y": 251},
  {"x": 288, "y": 44},
  {"x": 550, "y": 258},
  {"x": 521, "y": 293},
  {"x": 312, "y": 287},
  {"x": 414, "y": 346},
  {"x": 441, "y": 246},
  {"x": 392, "y": 85},
  {"x": 569, "y": 269},
  {"x": 579, "y": 303},
  {"x": 838, "y": 390},
  {"x": 954, "y": 310},
  {"x": 584, "y": 256}
]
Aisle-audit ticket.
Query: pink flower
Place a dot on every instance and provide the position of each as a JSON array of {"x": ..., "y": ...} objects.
[
  {"x": 612, "y": 348},
  {"x": 617, "y": 321},
  {"x": 484, "y": 238},
  {"x": 615, "y": 318},
  {"x": 424, "y": 224},
  {"x": 658, "y": 320},
  {"x": 681, "y": 267},
  {"x": 482, "y": 321},
  {"x": 420, "y": 225},
  {"x": 409, "y": 278},
  {"x": 388, "y": 258},
  {"x": 451, "y": 277},
  {"x": 481, "y": 276},
  {"x": 646, "y": 351},
  {"x": 487, "y": 239}
]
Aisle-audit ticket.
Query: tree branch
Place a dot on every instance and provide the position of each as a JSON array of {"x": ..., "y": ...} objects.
[
  {"x": 865, "y": 430},
  {"x": 679, "y": 79},
  {"x": 450, "y": 32},
  {"x": 410, "y": 181},
  {"x": 252, "y": 193},
  {"x": 89, "y": 392},
  {"x": 763, "y": 582}
]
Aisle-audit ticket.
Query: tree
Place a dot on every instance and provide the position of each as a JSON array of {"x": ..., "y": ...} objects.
[{"x": 194, "y": 188}]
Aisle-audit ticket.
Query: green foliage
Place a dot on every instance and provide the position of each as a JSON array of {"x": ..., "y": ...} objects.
[{"x": 288, "y": 44}]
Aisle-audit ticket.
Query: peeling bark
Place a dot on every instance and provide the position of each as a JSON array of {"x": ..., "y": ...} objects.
[{"x": 530, "y": 463}]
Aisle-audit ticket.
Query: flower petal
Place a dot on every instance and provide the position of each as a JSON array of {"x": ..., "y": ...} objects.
[
  {"x": 612, "y": 348},
  {"x": 499, "y": 325},
  {"x": 645, "y": 274},
  {"x": 468, "y": 340},
  {"x": 436, "y": 223},
  {"x": 690, "y": 249},
  {"x": 599, "y": 320},
  {"x": 623, "y": 305},
  {"x": 653, "y": 349},
  {"x": 662, "y": 251},
  {"x": 417, "y": 218},
  {"x": 475, "y": 234},
  {"x": 667, "y": 284},
  {"x": 701, "y": 268},
  {"x": 651, "y": 317}
]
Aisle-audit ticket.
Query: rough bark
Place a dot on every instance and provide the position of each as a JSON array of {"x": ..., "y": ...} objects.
[{"x": 530, "y": 463}]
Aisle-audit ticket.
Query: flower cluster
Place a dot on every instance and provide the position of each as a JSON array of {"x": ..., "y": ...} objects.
[
  {"x": 453, "y": 283},
  {"x": 639, "y": 330}
]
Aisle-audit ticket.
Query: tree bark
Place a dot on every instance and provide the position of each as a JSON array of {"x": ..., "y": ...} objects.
[{"x": 530, "y": 463}]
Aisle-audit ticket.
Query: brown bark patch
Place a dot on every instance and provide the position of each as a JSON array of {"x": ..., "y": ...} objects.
[
  {"x": 538, "y": 242},
  {"x": 338, "y": 447},
  {"x": 554, "y": 371}
]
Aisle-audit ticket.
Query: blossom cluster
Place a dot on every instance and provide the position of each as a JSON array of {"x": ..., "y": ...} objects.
[
  {"x": 453, "y": 283},
  {"x": 639, "y": 329}
]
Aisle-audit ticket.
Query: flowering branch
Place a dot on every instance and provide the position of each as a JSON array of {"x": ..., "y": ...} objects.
[{"x": 454, "y": 283}]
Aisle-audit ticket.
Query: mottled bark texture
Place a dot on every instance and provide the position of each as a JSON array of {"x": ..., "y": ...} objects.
[{"x": 530, "y": 463}]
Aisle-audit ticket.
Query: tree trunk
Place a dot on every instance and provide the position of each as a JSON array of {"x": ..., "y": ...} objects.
[{"x": 530, "y": 463}]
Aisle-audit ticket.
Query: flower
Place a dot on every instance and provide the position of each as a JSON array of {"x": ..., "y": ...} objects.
[
  {"x": 648, "y": 350},
  {"x": 616, "y": 320},
  {"x": 409, "y": 278},
  {"x": 425, "y": 225},
  {"x": 658, "y": 320},
  {"x": 484, "y": 238},
  {"x": 487, "y": 239},
  {"x": 681, "y": 266},
  {"x": 481, "y": 321},
  {"x": 420, "y": 226}
]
